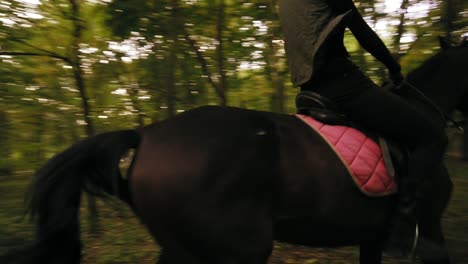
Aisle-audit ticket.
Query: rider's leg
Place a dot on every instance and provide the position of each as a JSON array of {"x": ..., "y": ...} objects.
[{"x": 397, "y": 119}]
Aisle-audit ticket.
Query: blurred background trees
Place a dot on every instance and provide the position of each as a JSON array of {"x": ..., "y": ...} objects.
[{"x": 72, "y": 68}]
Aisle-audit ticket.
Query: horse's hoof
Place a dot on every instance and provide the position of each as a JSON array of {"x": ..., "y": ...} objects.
[{"x": 431, "y": 251}]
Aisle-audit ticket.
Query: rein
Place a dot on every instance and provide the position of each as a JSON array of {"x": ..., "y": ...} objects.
[{"x": 428, "y": 101}]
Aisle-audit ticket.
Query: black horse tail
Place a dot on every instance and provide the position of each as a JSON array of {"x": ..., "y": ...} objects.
[{"x": 54, "y": 197}]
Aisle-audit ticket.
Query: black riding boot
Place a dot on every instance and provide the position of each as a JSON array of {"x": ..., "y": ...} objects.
[{"x": 402, "y": 235}]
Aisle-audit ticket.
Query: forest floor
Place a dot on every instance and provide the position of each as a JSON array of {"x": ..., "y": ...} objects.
[{"x": 122, "y": 239}]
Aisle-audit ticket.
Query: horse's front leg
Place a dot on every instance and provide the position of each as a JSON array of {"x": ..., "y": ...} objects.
[
  {"x": 370, "y": 252},
  {"x": 465, "y": 139},
  {"x": 431, "y": 246}
]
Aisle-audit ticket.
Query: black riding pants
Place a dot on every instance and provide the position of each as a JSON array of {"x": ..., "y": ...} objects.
[{"x": 383, "y": 112}]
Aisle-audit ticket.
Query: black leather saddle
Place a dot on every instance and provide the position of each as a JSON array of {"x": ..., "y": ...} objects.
[
  {"x": 326, "y": 111},
  {"x": 319, "y": 107}
]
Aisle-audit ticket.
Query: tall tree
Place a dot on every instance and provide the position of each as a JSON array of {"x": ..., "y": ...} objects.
[
  {"x": 220, "y": 25},
  {"x": 448, "y": 18},
  {"x": 275, "y": 63},
  {"x": 5, "y": 149},
  {"x": 72, "y": 58},
  {"x": 400, "y": 29},
  {"x": 75, "y": 62},
  {"x": 217, "y": 78},
  {"x": 172, "y": 57}
]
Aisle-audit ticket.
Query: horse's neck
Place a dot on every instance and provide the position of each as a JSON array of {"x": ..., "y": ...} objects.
[{"x": 437, "y": 82}]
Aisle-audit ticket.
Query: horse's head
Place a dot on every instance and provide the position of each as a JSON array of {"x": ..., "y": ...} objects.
[
  {"x": 457, "y": 56},
  {"x": 445, "y": 43},
  {"x": 444, "y": 76}
]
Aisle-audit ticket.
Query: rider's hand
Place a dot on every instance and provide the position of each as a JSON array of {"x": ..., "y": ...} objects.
[{"x": 397, "y": 78}]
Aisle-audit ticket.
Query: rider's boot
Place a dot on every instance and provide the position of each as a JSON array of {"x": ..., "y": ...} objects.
[{"x": 402, "y": 236}]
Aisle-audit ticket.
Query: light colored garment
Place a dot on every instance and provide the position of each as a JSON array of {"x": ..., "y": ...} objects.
[{"x": 306, "y": 25}]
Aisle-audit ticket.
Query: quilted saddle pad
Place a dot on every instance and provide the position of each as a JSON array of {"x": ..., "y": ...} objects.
[{"x": 360, "y": 154}]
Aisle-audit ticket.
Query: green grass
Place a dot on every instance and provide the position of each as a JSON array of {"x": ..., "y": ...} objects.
[{"x": 122, "y": 239}]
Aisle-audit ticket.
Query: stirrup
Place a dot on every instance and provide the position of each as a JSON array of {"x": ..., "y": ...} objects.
[
  {"x": 412, "y": 251},
  {"x": 415, "y": 243}
]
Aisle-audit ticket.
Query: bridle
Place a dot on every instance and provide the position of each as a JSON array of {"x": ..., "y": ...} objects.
[{"x": 445, "y": 117}]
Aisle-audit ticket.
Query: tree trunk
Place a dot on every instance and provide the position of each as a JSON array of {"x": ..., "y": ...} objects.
[
  {"x": 189, "y": 98},
  {"x": 80, "y": 84},
  {"x": 136, "y": 105},
  {"x": 156, "y": 84},
  {"x": 37, "y": 137},
  {"x": 448, "y": 19},
  {"x": 133, "y": 92},
  {"x": 381, "y": 74},
  {"x": 219, "y": 85},
  {"x": 220, "y": 52},
  {"x": 76, "y": 66},
  {"x": 5, "y": 149},
  {"x": 361, "y": 52},
  {"x": 171, "y": 77},
  {"x": 400, "y": 30},
  {"x": 274, "y": 72}
]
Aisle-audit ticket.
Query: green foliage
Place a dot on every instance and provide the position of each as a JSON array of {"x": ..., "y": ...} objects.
[
  {"x": 144, "y": 60},
  {"x": 126, "y": 16}
]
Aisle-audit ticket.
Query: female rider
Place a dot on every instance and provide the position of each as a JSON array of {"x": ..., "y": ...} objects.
[{"x": 319, "y": 62}]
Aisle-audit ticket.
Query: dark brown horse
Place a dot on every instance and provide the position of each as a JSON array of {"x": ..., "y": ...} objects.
[{"x": 219, "y": 185}]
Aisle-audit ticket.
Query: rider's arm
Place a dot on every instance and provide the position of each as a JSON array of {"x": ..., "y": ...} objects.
[{"x": 366, "y": 37}]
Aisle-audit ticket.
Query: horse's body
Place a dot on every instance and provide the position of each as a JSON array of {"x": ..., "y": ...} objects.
[
  {"x": 250, "y": 188},
  {"x": 219, "y": 185}
]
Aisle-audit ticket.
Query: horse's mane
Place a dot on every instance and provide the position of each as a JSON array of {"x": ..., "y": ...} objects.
[
  {"x": 432, "y": 64},
  {"x": 464, "y": 42},
  {"x": 429, "y": 66}
]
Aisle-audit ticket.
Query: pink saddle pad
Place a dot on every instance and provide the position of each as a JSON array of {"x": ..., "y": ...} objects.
[{"x": 360, "y": 154}]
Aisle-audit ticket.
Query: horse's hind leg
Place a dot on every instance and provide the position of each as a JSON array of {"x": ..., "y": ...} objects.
[
  {"x": 431, "y": 246},
  {"x": 465, "y": 137},
  {"x": 241, "y": 233},
  {"x": 218, "y": 207}
]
